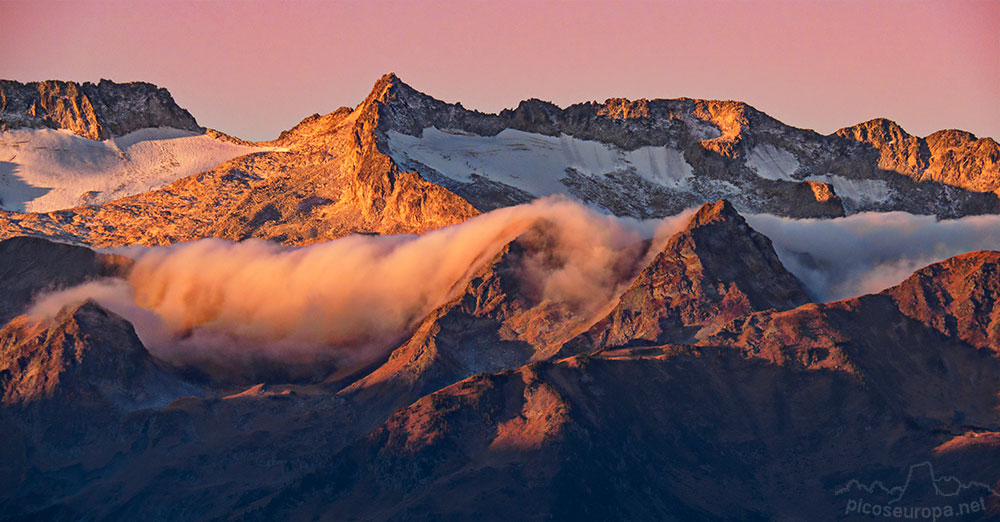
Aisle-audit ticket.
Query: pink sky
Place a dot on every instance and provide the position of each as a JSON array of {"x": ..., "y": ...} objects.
[{"x": 254, "y": 68}]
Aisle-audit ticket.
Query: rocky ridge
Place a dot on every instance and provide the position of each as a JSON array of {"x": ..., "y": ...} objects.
[
  {"x": 716, "y": 269},
  {"x": 329, "y": 179},
  {"x": 499, "y": 321},
  {"x": 96, "y": 111},
  {"x": 773, "y": 412},
  {"x": 728, "y": 146},
  {"x": 341, "y": 174}
]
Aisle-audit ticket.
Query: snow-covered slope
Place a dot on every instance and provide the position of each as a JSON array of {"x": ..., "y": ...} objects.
[
  {"x": 770, "y": 162},
  {"x": 42, "y": 170},
  {"x": 534, "y": 163}
]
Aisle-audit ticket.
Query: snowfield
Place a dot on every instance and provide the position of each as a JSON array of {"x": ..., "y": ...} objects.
[
  {"x": 534, "y": 163},
  {"x": 770, "y": 162},
  {"x": 42, "y": 170},
  {"x": 858, "y": 191}
]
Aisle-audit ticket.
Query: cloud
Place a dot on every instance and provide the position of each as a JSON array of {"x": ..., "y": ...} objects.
[
  {"x": 224, "y": 306},
  {"x": 346, "y": 302},
  {"x": 868, "y": 252}
]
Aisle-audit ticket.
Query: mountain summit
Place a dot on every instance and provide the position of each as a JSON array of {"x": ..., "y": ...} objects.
[{"x": 717, "y": 268}]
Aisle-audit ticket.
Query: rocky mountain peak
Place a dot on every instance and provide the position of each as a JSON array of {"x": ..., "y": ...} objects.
[
  {"x": 502, "y": 319},
  {"x": 391, "y": 89},
  {"x": 85, "y": 352},
  {"x": 959, "y": 297},
  {"x": 393, "y": 105},
  {"x": 731, "y": 250},
  {"x": 540, "y": 115},
  {"x": 719, "y": 212},
  {"x": 877, "y": 131},
  {"x": 96, "y": 111},
  {"x": 717, "y": 268},
  {"x": 898, "y": 150}
]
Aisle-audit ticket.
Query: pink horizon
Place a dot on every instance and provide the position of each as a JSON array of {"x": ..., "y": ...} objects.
[{"x": 255, "y": 68}]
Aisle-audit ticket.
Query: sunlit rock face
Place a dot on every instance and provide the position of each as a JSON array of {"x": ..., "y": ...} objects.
[
  {"x": 716, "y": 269},
  {"x": 402, "y": 161},
  {"x": 95, "y": 111},
  {"x": 650, "y": 158}
]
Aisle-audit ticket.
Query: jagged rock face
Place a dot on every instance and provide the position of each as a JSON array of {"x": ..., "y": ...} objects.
[
  {"x": 499, "y": 321},
  {"x": 345, "y": 173},
  {"x": 715, "y": 270},
  {"x": 951, "y": 157},
  {"x": 898, "y": 151},
  {"x": 734, "y": 152},
  {"x": 98, "y": 112},
  {"x": 30, "y": 266},
  {"x": 939, "y": 324},
  {"x": 959, "y": 297},
  {"x": 958, "y": 158},
  {"x": 87, "y": 356},
  {"x": 331, "y": 181}
]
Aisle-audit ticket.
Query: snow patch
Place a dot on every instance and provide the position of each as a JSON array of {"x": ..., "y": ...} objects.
[
  {"x": 770, "y": 162},
  {"x": 43, "y": 170},
  {"x": 532, "y": 162},
  {"x": 859, "y": 191}
]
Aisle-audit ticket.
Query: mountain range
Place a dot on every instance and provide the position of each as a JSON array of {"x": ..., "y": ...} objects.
[
  {"x": 402, "y": 162},
  {"x": 685, "y": 374}
]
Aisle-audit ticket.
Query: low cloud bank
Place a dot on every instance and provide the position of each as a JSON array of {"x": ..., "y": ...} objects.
[
  {"x": 349, "y": 300},
  {"x": 217, "y": 304},
  {"x": 868, "y": 252}
]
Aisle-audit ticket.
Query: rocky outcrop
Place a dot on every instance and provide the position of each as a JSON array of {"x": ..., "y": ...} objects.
[
  {"x": 960, "y": 159},
  {"x": 898, "y": 150},
  {"x": 959, "y": 297},
  {"x": 96, "y": 111},
  {"x": 86, "y": 356},
  {"x": 951, "y": 157},
  {"x": 716, "y": 269}
]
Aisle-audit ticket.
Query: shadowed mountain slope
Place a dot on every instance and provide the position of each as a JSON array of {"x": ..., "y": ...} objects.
[
  {"x": 767, "y": 419},
  {"x": 29, "y": 266},
  {"x": 714, "y": 270}
]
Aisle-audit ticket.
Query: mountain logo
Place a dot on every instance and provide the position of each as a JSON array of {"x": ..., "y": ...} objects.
[{"x": 923, "y": 496}]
